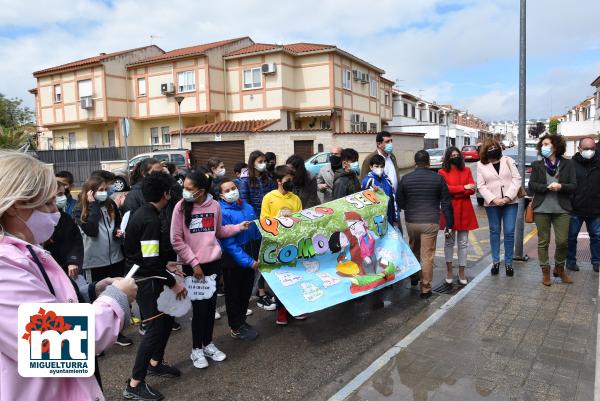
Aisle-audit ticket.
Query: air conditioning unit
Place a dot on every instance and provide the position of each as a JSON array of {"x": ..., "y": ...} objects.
[
  {"x": 87, "y": 102},
  {"x": 364, "y": 78},
  {"x": 357, "y": 75},
  {"x": 269, "y": 68},
  {"x": 363, "y": 126},
  {"x": 355, "y": 118},
  {"x": 167, "y": 89}
]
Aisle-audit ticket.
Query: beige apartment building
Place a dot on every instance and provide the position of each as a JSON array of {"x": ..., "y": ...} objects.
[{"x": 309, "y": 93}]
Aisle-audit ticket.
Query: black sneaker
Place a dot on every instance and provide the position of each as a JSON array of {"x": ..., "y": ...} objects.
[
  {"x": 163, "y": 370},
  {"x": 123, "y": 341},
  {"x": 245, "y": 333},
  {"x": 176, "y": 326},
  {"x": 596, "y": 267},
  {"x": 426, "y": 295},
  {"x": 265, "y": 303},
  {"x": 142, "y": 392},
  {"x": 572, "y": 266}
]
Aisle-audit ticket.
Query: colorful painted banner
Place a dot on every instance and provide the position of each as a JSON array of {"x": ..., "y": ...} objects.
[{"x": 320, "y": 257}]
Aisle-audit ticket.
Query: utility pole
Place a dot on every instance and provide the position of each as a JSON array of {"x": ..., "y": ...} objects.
[{"x": 520, "y": 226}]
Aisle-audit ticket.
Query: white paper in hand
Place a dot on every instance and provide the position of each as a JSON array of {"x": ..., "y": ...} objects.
[
  {"x": 201, "y": 289},
  {"x": 125, "y": 221},
  {"x": 168, "y": 303}
]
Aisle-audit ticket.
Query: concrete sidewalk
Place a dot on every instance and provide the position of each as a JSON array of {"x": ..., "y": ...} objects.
[{"x": 507, "y": 339}]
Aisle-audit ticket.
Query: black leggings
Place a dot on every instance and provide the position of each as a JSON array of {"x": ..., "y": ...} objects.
[
  {"x": 238, "y": 289},
  {"x": 203, "y": 311}
]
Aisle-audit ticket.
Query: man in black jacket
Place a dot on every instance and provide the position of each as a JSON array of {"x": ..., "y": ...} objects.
[
  {"x": 66, "y": 244},
  {"x": 135, "y": 198},
  {"x": 586, "y": 203},
  {"x": 143, "y": 247},
  {"x": 421, "y": 194}
]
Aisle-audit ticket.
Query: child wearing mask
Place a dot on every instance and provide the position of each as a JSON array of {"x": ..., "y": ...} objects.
[
  {"x": 65, "y": 245},
  {"x": 345, "y": 179},
  {"x": 67, "y": 179},
  {"x": 99, "y": 221},
  {"x": 271, "y": 160},
  {"x": 377, "y": 179},
  {"x": 253, "y": 188},
  {"x": 240, "y": 254},
  {"x": 195, "y": 228},
  {"x": 281, "y": 202},
  {"x": 216, "y": 170}
]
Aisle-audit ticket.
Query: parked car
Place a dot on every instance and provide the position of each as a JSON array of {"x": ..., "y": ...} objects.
[
  {"x": 436, "y": 156},
  {"x": 179, "y": 157},
  {"x": 316, "y": 162},
  {"x": 470, "y": 153},
  {"x": 530, "y": 156}
]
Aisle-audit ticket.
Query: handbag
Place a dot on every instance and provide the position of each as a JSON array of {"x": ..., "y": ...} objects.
[
  {"x": 521, "y": 193},
  {"x": 529, "y": 213}
]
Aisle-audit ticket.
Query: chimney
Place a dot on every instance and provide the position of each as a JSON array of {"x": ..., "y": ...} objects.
[{"x": 103, "y": 54}]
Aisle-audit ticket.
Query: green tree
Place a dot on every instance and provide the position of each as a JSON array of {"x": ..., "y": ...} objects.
[
  {"x": 13, "y": 113},
  {"x": 553, "y": 126},
  {"x": 15, "y": 137}
]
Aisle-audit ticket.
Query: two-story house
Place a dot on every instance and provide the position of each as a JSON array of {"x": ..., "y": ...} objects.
[{"x": 580, "y": 121}]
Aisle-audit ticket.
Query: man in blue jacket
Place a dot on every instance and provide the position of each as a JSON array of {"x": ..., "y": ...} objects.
[{"x": 240, "y": 254}]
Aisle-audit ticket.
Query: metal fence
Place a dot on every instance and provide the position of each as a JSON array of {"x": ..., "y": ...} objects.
[{"x": 81, "y": 162}]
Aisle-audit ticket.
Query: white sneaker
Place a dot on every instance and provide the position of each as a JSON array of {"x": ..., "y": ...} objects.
[
  {"x": 212, "y": 352},
  {"x": 198, "y": 358},
  {"x": 217, "y": 315},
  {"x": 249, "y": 312}
]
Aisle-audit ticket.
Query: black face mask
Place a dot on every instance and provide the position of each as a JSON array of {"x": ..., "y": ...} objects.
[
  {"x": 457, "y": 161},
  {"x": 270, "y": 167},
  {"x": 67, "y": 191},
  {"x": 288, "y": 186},
  {"x": 335, "y": 161},
  {"x": 494, "y": 154}
]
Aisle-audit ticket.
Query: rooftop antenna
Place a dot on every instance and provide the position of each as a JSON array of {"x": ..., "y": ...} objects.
[
  {"x": 420, "y": 93},
  {"x": 397, "y": 83},
  {"x": 152, "y": 37}
]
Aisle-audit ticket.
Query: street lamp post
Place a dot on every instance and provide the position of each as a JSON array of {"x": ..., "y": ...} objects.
[
  {"x": 520, "y": 228},
  {"x": 179, "y": 99}
]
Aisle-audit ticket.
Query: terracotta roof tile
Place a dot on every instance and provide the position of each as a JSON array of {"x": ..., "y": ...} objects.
[
  {"x": 227, "y": 126},
  {"x": 297, "y": 48},
  {"x": 189, "y": 51},
  {"x": 88, "y": 61}
]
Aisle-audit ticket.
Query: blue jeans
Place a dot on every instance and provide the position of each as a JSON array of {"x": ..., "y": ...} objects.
[
  {"x": 502, "y": 217},
  {"x": 593, "y": 227}
]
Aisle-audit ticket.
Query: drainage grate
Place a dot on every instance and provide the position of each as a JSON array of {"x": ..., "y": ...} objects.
[{"x": 450, "y": 289}]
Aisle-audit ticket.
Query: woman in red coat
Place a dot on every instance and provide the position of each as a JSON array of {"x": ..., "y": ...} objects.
[{"x": 461, "y": 186}]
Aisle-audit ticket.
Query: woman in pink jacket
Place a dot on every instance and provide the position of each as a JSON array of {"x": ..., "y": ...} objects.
[
  {"x": 195, "y": 227},
  {"x": 498, "y": 181},
  {"x": 28, "y": 274}
]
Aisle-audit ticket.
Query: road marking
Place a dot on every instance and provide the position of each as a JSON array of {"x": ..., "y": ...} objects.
[
  {"x": 475, "y": 244},
  {"x": 366, "y": 374}
]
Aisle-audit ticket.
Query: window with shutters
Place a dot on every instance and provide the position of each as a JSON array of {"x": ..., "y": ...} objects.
[
  {"x": 141, "y": 86},
  {"x": 166, "y": 137},
  {"x": 252, "y": 78},
  {"x": 85, "y": 88},
  {"x": 347, "y": 79},
  {"x": 186, "y": 81},
  {"x": 57, "y": 93},
  {"x": 154, "y": 138}
]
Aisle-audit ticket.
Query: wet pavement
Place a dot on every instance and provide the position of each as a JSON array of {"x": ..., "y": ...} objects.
[{"x": 507, "y": 339}]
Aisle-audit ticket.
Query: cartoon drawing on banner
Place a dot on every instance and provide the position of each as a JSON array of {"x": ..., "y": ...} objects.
[
  {"x": 311, "y": 292},
  {"x": 357, "y": 258}
]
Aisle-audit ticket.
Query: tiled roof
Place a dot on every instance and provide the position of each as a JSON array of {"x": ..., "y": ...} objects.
[
  {"x": 296, "y": 48},
  {"x": 188, "y": 51},
  {"x": 88, "y": 61},
  {"x": 375, "y": 133},
  {"x": 227, "y": 126},
  {"x": 596, "y": 81}
]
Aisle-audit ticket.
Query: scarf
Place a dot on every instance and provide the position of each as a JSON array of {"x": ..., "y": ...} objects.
[{"x": 551, "y": 168}]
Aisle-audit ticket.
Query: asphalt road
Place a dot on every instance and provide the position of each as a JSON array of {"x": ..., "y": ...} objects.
[{"x": 308, "y": 360}]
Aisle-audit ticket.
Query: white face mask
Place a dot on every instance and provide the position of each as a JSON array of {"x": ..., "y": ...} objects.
[
  {"x": 101, "y": 196},
  {"x": 261, "y": 167},
  {"x": 220, "y": 172},
  {"x": 188, "y": 196},
  {"x": 232, "y": 196},
  {"x": 61, "y": 201},
  {"x": 588, "y": 153},
  {"x": 377, "y": 171}
]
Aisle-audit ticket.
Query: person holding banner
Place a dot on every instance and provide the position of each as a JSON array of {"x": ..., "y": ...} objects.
[
  {"x": 345, "y": 179},
  {"x": 422, "y": 193},
  {"x": 144, "y": 247},
  {"x": 240, "y": 254},
  {"x": 196, "y": 225},
  {"x": 254, "y": 185},
  {"x": 281, "y": 202},
  {"x": 376, "y": 178}
]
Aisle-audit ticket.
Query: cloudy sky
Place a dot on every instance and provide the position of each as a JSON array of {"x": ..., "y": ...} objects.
[{"x": 462, "y": 52}]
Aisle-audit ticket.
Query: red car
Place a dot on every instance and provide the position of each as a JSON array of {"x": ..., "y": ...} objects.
[{"x": 470, "y": 153}]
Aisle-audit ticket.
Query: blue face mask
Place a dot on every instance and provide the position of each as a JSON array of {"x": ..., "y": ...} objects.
[
  {"x": 354, "y": 166},
  {"x": 111, "y": 190},
  {"x": 546, "y": 151},
  {"x": 389, "y": 147}
]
